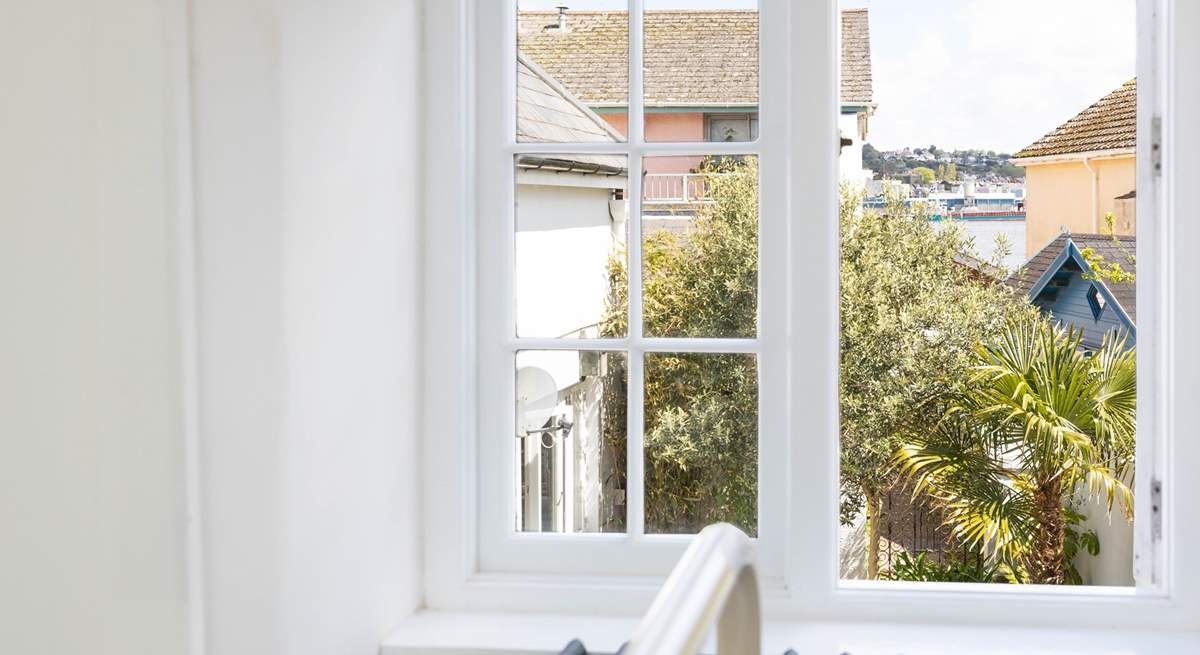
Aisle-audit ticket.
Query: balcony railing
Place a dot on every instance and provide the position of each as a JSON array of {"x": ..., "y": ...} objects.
[{"x": 678, "y": 188}]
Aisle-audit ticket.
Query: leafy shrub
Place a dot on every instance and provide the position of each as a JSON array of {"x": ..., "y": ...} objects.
[
  {"x": 922, "y": 569},
  {"x": 1074, "y": 540}
]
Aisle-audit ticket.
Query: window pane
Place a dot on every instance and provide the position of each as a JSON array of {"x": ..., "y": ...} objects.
[
  {"x": 570, "y": 441},
  {"x": 701, "y": 441},
  {"x": 732, "y": 127},
  {"x": 572, "y": 71},
  {"x": 700, "y": 246},
  {"x": 988, "y": 293},
  {"x": 569, "y": 276},
  {"x": 701, "y": 66}
]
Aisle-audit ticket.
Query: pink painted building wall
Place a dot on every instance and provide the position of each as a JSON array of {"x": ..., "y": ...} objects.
[{"x": 665, "y": 127}]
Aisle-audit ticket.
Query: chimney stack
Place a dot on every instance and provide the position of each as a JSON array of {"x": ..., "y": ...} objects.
[{"x": 562, "y": 17}]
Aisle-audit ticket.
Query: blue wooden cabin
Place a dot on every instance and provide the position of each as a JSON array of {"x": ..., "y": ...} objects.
[{"x": 1054, "y": 280}]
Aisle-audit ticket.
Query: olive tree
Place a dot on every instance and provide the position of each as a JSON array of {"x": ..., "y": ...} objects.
[
  {"x": 912, "y": 312},
  {"x": 914, "y": 306},
  {"x": 701, "y": 410}
]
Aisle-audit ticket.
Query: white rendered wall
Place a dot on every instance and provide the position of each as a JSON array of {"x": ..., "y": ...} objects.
[
  {"x": 850, "y": 163},
  {"x": 565, "y": 237},
  {"x": 1114, "y": 565},
  {"x": 92, "y": 556},
  {"x": 307, "y": 185}
]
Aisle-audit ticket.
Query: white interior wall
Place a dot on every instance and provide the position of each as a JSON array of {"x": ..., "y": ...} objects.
[
  {"x": 307, "y": 181},
  {"x": 92, "y": 555},
  {"x": 307, "y": 233}
]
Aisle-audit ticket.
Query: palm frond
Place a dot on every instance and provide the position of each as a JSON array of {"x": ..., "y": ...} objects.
[
  {"x": 1038, "y": 413},
  {"x": 1103, "y": 483}
]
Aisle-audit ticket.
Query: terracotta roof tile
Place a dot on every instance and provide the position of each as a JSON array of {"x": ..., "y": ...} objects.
[
  {"x": 692, "y": 57},
  {"x": 1109, "y": 124},
  {"x": 856, "y": 57}
]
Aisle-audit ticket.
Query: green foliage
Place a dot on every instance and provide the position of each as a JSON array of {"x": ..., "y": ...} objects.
[
  {"x": 1105, "y": 270},
  {"x": 701, "y": 410},
  {"x": 872, "y": 158},
  {"x": 705, "y": 284},
  {"x": 925, "y": 175},
  {"x": 947, "y": 172},
  {"x": 1076, "y": 540},
  {"x": 922, "y": 569},
  {"x": 1009, "y": 170},
  {"x": 701, "y": 443},
  {"x": 1037, "y": 420},
  {"x": 911, "y": 318}
]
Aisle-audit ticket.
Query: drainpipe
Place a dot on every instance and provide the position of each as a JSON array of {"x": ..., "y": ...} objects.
[{"x": 1095, "y": 194}]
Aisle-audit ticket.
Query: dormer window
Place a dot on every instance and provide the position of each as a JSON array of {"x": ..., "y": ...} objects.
[{"x": 1096, "y": 301}]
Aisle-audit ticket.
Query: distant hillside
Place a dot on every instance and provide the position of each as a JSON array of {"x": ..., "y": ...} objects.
[{"x": 985, "y": 165}]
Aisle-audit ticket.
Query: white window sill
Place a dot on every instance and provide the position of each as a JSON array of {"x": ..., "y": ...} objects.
[{"x": 455, "y": 633}]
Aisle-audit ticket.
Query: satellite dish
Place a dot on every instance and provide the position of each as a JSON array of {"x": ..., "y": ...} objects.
[{"x": 537, "y": 396}]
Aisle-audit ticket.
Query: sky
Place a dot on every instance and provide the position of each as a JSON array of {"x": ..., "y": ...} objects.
[
  {"x": 992, "y": 74},
  {"x": 989, "y": 74}
]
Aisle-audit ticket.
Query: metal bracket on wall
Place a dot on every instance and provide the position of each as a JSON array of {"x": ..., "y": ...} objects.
[
  {"x": 1156, "y": 145},
  {"x": 1156, "y": 509}
]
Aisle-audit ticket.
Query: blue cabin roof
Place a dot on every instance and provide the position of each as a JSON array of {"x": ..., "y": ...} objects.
[{"x": 1056, "y": 281}]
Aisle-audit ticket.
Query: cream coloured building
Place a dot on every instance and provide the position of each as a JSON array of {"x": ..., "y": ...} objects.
[{"x": 1082, "y": 170}]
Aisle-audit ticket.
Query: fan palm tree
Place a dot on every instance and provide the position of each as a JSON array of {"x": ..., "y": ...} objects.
[{"x": 1040, "y": 419}]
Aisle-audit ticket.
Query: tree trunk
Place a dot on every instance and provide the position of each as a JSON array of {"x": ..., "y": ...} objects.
[
  {"x": 874, "y": 516},
  {"x": 1045, "y": 563}
]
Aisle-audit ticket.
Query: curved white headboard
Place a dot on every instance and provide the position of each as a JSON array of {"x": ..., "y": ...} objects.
[{"x": 713, "y": 584}]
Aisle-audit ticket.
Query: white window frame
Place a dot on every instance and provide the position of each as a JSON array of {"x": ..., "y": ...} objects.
[
  {"x": 472, "y": 565},
  {"x": 751, "y": 119},
  {"x": 501, "y": 549}
]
